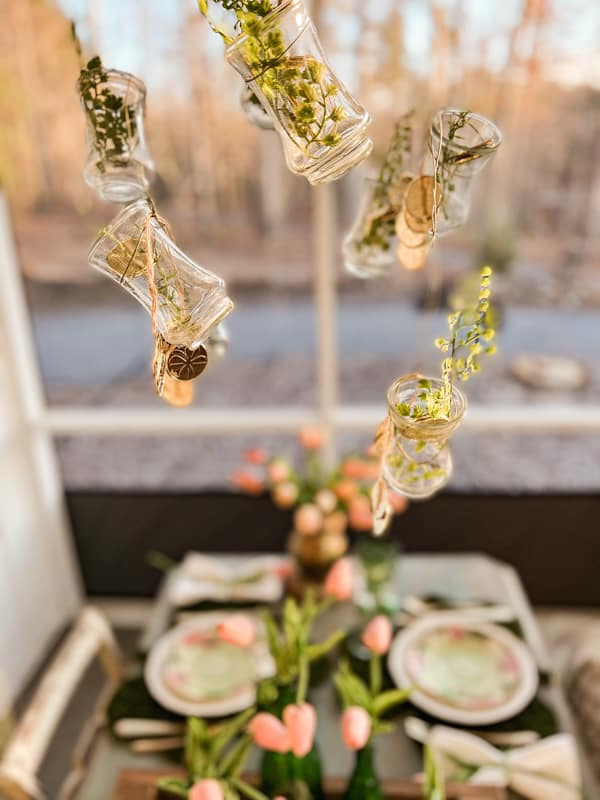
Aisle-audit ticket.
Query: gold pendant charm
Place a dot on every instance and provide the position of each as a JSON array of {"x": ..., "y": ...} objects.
[{"x": 185, "y": 364}]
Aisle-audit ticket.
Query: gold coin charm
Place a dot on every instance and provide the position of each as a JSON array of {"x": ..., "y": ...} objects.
[
  {"x": 185, "y": 364},
  {"x": 419, "y": 203}
]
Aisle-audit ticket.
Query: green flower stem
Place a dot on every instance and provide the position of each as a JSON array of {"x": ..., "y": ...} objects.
[
  {"x": 248, "y": 791},
  {"x": 375, "y": 676},
  {"x": 303, "y": 679}
]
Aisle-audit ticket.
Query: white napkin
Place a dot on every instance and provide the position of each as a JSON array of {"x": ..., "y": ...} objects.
[
  {"x": 546, "y": 770},
  {"x": 201, "y": 578}
]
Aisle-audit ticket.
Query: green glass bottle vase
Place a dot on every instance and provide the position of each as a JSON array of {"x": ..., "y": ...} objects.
[
  {"x": 285, "y": 774},
  {"x": 364, "y": 783}
]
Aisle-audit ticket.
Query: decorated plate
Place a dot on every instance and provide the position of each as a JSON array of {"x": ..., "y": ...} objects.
[
  {"x": 192, "y": 672},
  {"x": 463, "y": 671}
]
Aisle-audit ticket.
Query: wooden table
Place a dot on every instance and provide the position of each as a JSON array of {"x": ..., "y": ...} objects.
[{"x": 455, "y": 576}]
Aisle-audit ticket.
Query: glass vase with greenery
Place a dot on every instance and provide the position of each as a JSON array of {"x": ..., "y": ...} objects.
[
  {"x": 276, "y": 49},
  {"x": 118, "y": 165},
  {"x": 424, "y": 412}
]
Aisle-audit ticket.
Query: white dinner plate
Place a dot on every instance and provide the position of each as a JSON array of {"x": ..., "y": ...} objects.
[
  {"x": 462, "y": 670},
  {"x": 191, "y": 672}
]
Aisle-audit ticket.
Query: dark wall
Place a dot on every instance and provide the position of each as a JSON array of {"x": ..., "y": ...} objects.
[{"x": 553, "y": 541}]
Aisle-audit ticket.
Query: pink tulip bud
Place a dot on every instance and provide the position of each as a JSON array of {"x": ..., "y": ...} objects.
[
  {"x": 269, "y": 733},
  {"x": 237, "y": 629},
  {"x": 356, "y": 727},
  {"x": 398, "y": 502},
  {"x": 301, "y": 724},
  {"x": 308, "y": 519},
  {"x": 311, "y": 438},
  {"x": 338, "y": 583},
  {"x": 278, "y": 470},
  {"x": 285, "y": 494},
  {"x": 256, "y": 456},
  {"x": 207, "y": 789},
  {"x": 248, "y": 482},
  {"x": 377, "y": 635}
]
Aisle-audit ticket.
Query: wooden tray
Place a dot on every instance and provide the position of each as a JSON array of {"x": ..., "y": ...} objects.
[{"x": 136, "y": 784}]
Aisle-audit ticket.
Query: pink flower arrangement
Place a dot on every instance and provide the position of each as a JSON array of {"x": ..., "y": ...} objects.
[
  {"x": 238, "y": 629},
  {"x": 325, "y": 500}
]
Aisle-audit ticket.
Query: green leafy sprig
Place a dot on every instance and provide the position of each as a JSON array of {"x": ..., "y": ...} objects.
[
  {"x": 218, "y": 752},
  {"x": 299, "y": 88},
  {"x": 354, "y": 691},
  {"x": 389, "y": 189},
  {"x": 468, "y": 340},
  {"x": 112, "y": 119},
  {"x": 290, "y": 646}
]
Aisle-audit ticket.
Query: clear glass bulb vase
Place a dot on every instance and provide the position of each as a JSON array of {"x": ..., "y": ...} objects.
[
  {"x": 369, "y": 247},
  {"x": 118, "y": 165},
  {"x": 418, "y": 462},
  {"x": 461, "y": 143},
  {"x": 322, "y": 127},
  {"x": 186, "y": 300}
]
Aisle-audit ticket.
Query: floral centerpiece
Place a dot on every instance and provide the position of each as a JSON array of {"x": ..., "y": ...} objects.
[{"x": 325, "y": 501}]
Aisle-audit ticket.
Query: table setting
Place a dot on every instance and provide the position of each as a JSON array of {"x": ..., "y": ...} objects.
[{"x": 311, "y": 695}]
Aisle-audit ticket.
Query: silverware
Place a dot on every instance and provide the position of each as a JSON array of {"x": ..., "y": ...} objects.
[
  {"x": 132, "y": 728},
  {"x": 157, "y": 745}
]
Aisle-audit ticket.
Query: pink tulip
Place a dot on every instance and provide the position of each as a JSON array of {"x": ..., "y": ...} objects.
[
  {"x": 346, "y": 489},
  {"x": 237, "y": 629},
  {"x": 207, "y": 789},
  {"x": 326, "y": 500},
  {"x": 311, "y": 438},
  {"x": 338, "y": 583},
  {"x": 308, "y": 519},
  {"x": 356, "y": 727},
  {"x": 335, "y": 523},
  {"x": 269, "y": 733},
  {"x": 377, "y": 635},
  {"x": 248, "y": 482},
  {"x": 279, "y": 470},
  {"x": 360, "y": 516},
  {"x": 285, "y": 494},
  {"x": 280, "y": 797},
  {"x": 301, "y": 724},
  {"x": 398, "y": 502},
  {"x": 255, "y": 456}
]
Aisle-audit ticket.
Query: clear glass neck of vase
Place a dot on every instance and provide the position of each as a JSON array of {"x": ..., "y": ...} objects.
[
  {"x": 406, "y": 390},
  {"x": 468, "y": 149}
]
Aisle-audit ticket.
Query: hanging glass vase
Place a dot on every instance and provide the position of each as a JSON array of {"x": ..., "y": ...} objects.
[
  {"x": 286, "y": 775},
  {"x": 461, "y": 144},
  {"x": 369, "y": 248},
  {"x": 323, "y": 128},
  {"x": 118, "y": 165},
  {"x": 186, "y": 302},
  {"x": 364, "y": 783},
  {"x": 417, "y": 462}
]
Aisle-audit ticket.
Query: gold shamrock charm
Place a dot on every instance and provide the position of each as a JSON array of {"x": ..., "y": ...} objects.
[{"x": 185, "y": 364}]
